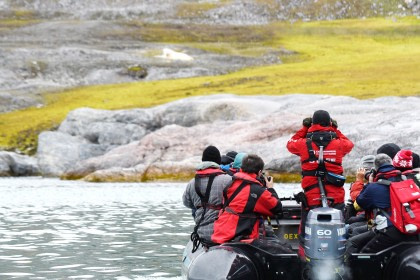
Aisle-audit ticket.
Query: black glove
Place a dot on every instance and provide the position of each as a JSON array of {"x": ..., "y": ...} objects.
[
  {"x": 307, "y": 122},
  {"x": 334, "y": 123}
]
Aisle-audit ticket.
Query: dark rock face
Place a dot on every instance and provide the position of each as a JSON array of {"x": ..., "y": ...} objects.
[{"x": 167, "y": 140}]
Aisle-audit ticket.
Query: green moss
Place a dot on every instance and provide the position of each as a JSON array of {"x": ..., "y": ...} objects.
[
  {"x": 23, "y": 14},
  {"x": 285, "y": 177},
  {"x": 168, "y": 177},
  {"x": 359, "y": 58},
  {"x": 26, "y": 140},
  {"x": 17, "y": 18},
  {"x": 194, "y": 33},
  {"x": 15, "y": 23}
]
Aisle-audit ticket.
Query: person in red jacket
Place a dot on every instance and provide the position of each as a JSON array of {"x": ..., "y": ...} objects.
[
  {"x": 246, "y": 200},
  {"x": 318, "y": 131}
]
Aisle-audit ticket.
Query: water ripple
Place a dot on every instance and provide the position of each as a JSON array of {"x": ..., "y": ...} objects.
[{"x": 54, "y": 229}]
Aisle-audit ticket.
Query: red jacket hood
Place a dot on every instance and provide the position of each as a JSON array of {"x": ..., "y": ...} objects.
[
  {"x": 246, "y": 176},
  {"x": 318, "y": 127}
]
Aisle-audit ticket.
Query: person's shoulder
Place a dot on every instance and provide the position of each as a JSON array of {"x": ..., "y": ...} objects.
[
  {"x": 375, "y": 186},
  {"x": 224, "y": 178},
  {"x": 191, "y": 182}
]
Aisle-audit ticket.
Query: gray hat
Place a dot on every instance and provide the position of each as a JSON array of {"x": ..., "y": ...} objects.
[
  {"x": 368, "y": 161},
  {"x": 381, "y": 160}
]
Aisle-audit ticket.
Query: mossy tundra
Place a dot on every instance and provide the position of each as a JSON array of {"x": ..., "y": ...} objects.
[{"x": 363, "y": 58}]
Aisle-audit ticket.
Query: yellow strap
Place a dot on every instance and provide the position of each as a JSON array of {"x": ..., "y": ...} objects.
[{"x": 357, "y": 207}]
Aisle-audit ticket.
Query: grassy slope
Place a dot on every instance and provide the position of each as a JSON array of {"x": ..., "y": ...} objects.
[{"x": 360, "y": 58}]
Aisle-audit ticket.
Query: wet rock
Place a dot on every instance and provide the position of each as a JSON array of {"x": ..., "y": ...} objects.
[{"x": 12, "y": 164}]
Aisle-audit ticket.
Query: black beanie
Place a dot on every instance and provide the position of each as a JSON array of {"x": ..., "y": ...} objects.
[
  {"x": 229, "y": 157},
  {"x": 389, "y": 149},
  {"x": 321, "y": 117},
  {"x": 416, "y": 160},
  {"x": 211, "y": 153},
  {"x": 232, "y": 155}
]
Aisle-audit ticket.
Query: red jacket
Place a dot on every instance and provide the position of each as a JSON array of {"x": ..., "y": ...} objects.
[
  {"x": 334, "y": 152},
  {"x": 355, "y": 189},
  {"x": 241, "y": 217}
]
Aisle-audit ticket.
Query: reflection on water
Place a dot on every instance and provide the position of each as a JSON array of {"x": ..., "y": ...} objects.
[{"x": 52, "y": 229}]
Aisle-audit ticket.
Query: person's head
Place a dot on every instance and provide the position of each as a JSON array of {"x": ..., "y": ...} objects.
[
  {"x": 382, "y": 160},
  {"x": 403, "y": 160},
  {"x": 322, "y": 118},
  {"x": 367, "y": 162},
  {"x": 390, "y": 149},
  {"x": 416, "y": 160},
  {"x": 211, "y": 153},
  {"x": 229, "y": 157},
  {"x": 237, "y": 163},
  {"x": 252, "y": 164}
]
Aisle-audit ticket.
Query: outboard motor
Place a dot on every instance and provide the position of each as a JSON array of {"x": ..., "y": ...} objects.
[{"x": 325, "y": 244}]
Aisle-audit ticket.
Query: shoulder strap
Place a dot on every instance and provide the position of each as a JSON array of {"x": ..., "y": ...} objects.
[
  {"x": 383, "y": 211},
  {"x": 204, "y": 198},
  {"x": 311, "y": 152},
  {"x": 312, "y": 156},
  {"x": 384, "y": 182},
  {"x": 195, "y": 238},
  {"x": 235, "y": 193}
]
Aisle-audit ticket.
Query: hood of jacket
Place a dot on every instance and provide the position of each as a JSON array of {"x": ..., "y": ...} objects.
[
  {"x": 207, "y": 165},
  {"x": 318, "y": 127},
  {"x": 246, "y": 176}
]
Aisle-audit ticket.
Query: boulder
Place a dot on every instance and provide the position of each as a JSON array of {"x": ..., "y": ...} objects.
[
  {"x": 12, "y": 164},
  {"x": 58, "y": 151},
  {"x": 168, "y": 140},
  {"x": 5, "y": 164}
]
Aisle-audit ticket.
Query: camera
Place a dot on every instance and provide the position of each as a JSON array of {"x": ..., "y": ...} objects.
[
  {"x": 369, "y": 172},
  {"x": 262, "y": 178}
]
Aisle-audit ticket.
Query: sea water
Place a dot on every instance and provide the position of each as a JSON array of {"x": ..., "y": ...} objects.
[{"x": 54, "y": 229}]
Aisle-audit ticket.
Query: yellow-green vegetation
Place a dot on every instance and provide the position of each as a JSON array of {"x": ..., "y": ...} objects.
[
  {"x": 360, "y": 58},
  {"x": 296, "y": 177},
  {"x": 182, "y": 176},
  {"x": 6, "y": 24},
  {"x": 17, "y": 18},
  {"x": 198, "y": 33},
  {"x": 192, "y": 9},
  {"x": 286, "y": 177}
]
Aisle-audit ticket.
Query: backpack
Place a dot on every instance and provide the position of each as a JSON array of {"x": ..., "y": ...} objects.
[{"x": 405, "y": 205}]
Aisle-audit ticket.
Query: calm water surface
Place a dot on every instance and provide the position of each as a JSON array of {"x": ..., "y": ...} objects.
[{"x": 52, "y": 229}]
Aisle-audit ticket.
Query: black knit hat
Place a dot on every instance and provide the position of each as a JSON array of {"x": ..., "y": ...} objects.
[
  {"x": 229, "y": 157},
  {"x": 321, "y": 117},
  {"x": 232, "y": 155},
  {"x": 390, "y": 149},
  {"x": 211, "y": 153},
  {"x": 416, "y": 160}
]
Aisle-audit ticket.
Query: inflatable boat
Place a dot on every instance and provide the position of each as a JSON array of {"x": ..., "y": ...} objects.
[{"x": 271, "y": 258}]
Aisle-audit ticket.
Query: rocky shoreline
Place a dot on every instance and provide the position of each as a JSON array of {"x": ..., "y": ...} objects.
[{"x": 165, "y": 142}]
